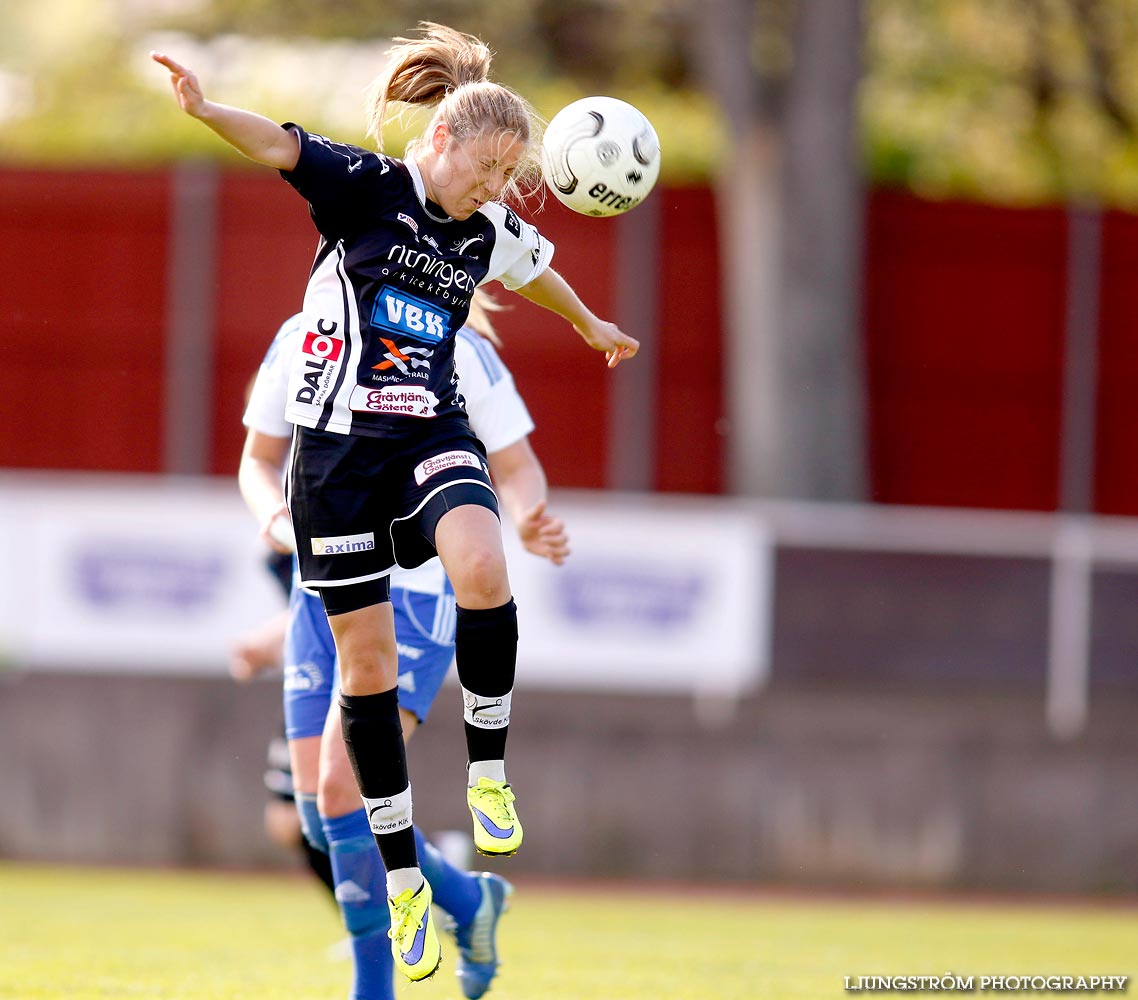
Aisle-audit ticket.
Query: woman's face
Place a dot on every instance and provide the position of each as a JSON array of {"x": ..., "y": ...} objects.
[{"x": 461, "y": 177}]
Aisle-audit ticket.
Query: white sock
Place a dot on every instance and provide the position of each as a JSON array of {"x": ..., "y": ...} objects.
[
  {"x": 494, "y": 769},
  {"x": 401, "y": 879}
]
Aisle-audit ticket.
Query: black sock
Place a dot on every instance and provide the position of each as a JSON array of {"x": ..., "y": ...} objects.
[
  {"x": 373, "y": 736},
  {"x": 486, "y": 653},
  {"x": 319, "y": 864}
]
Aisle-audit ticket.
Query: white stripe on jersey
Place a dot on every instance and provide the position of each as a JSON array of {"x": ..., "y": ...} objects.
[
  {"x": 484, "y": 351},
  {"x": 265, "y": 410},
  {"x": 322, "y": 400},
  {"x": 353, "y": 335},
  {"x": 445, "y": 617}
]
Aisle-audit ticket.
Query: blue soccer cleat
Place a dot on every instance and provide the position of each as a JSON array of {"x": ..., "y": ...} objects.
[{"x": 477, "y": 949}]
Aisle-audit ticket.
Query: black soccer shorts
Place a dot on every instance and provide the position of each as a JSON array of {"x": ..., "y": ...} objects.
[{"x": 362, "y": 505}]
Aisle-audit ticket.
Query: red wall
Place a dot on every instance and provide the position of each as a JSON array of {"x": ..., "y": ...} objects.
[
  {"x": 265, "y": 248},
  {"x": 82, "y": 316},
  {"x": 1117, "y": 454},
  {"x": 691, "y": 408},
  {"x": 564, "y": 383},
  {"x": 963, "y": 324},
  {"x": 964, "y": 312},
  {"x": 567, "y": 386}
]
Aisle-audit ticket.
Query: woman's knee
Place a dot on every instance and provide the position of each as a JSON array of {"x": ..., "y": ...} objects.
[
  {"x": 480, "y": 578},
  {"x": 338, "y": 793},
  {"x": 365, "y": 646},
  {"x": 304, "y": 759},
  {"x": 482, "y": 567}
]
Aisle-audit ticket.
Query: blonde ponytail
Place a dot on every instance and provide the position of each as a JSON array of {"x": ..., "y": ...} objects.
[
  {"x": 450, "y": 71},
  {"x": 482, "y": 304},
  {"x": 423, "y": 71}
]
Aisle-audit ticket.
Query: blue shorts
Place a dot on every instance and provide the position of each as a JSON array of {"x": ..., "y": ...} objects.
[{"x": 424, "y": 630}]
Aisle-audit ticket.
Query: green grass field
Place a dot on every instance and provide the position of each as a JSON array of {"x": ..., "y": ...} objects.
[{"x": 81, "y": 933}]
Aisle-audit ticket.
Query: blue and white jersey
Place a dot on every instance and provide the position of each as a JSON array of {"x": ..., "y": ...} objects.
[
  {"x": 497, "y": 413},
  {"x": 389, "y": 289},
  {"x": 265, "y": 410}
]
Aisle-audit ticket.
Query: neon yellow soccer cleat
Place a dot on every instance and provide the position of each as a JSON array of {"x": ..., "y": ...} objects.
[
  {"x": 497, "y": 831},
  {"x": 414, "y": 943}
]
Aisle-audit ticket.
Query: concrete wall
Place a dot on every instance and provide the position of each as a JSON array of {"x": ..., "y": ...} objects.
[{"x": 797, "y": 786}]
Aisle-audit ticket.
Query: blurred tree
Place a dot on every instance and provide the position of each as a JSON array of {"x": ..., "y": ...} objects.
[
  {"x": 68, "y": 57},
  {"x": 595, "y": 43},
  {"x": 785, "y": 73},
  {"x": 1003, "y": 100},
  {"x": 105, "y": 103}
]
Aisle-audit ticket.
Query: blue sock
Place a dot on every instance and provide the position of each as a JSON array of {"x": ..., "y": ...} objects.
[
  {"x": 455, "y": 891},
  {"x": 374, "y": 968},
  {"x": 310, "y": 821},
  {"x": 361, "y": 892}
]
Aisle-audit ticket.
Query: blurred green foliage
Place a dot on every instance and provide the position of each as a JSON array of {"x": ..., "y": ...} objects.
[
  {"x": 77, "y": 86},
  {"x": 1004, "y": 100}
]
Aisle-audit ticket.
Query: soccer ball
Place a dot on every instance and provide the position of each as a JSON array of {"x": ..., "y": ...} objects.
[{"x": 600, "y": 156}]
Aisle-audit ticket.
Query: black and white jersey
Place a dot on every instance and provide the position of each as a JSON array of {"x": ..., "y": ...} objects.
[{"x": 389, "y": 289}]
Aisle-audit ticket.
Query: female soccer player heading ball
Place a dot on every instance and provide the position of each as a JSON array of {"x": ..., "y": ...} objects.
[{"x": 385, "y": 469}]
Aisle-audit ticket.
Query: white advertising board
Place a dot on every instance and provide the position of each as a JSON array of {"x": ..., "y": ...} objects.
[
  {"x": 128, "y": 573},
  {"x": 659, "y": 595},
  {"x": 160, "y": 575}
]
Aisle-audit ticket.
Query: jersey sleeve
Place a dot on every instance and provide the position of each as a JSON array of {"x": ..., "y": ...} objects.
[
  {"x": 265, "y": 411},
  {"x": 497, "y": 413},
  {"x": 521, "y": 253},
  {"x": 340, "y": 182}
]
